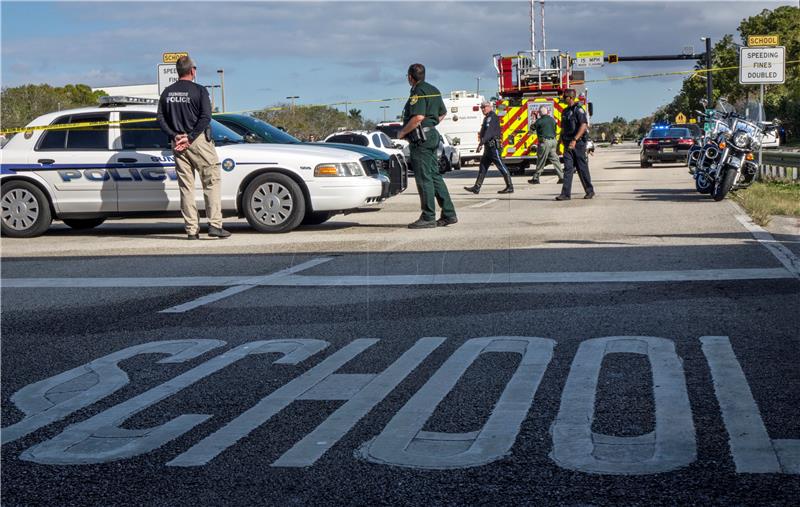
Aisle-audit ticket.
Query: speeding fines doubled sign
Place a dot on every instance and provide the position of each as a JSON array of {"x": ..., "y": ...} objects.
[{"x": 762, "y": 65}]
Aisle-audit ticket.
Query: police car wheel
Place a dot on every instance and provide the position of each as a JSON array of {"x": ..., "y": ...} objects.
[
  {"x": 644, "y": 163},
  {"x": 273, "y": 203},
  {"x": 25, "y": 210},
  {"x": 84, "y": 223}
]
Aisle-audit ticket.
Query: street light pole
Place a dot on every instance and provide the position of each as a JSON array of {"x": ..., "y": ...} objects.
[
  {"x": 478, "y": 90},
  {"x": 384, "y": 111},
  {"x": 221, "y": 73}
]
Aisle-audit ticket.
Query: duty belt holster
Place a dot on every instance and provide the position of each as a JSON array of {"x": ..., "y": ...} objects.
[
  {"x": 418, "y": 136},
  {"x": 491, "y": 143}
]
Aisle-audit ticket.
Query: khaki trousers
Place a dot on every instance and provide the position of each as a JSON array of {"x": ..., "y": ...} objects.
[
  {"x": 548, "y": 152},
  {"x": 200, "y": 156}
]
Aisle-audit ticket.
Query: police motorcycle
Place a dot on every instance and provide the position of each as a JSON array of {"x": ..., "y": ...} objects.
[{"x": 726, "y": 162}]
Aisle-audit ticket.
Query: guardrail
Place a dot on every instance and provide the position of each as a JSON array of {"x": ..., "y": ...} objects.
[{"x": 781, "y": 165}]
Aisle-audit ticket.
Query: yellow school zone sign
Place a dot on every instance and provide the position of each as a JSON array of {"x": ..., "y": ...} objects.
[
  {"x": 173, "y": 57},
  {"x": 680, "y": 118},
  {"x": 762, "y": 40}
]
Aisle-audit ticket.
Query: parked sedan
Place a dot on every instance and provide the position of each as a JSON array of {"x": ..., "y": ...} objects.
[
  {"x": 665, "y": 144},
  {"x": 378, "y": 163},
  {"x": 371, "y": 139},
  {"x": 450, "y": 158}
]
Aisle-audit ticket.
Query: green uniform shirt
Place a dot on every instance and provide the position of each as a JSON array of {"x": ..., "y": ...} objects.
[
  {"x": 425, "y": 100},
  {"x": 545, "y": 127}
]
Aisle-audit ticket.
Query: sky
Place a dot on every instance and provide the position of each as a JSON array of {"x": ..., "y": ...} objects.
[{"x": 332, "y": 51}]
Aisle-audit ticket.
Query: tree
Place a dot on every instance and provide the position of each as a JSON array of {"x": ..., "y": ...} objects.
[
  {"x": 22, "y": 104},
  {"x": 307, "y": 121},
  {"x": 780, "y": 101}
]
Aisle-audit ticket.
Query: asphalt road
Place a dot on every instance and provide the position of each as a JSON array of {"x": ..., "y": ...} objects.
[{"x": 639, "y": 348}]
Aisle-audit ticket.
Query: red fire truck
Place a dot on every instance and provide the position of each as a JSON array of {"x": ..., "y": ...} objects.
[{"x": 525, "y": 82}]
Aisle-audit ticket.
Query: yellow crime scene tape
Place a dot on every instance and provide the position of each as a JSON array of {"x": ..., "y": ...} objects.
[{"x": 85, "y": 125}]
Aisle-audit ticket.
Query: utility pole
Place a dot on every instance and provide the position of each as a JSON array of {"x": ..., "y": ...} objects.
[
  {"x": 709, "y": 87},
  {"x": 384, "y": 111},
  {"x": 292, "y": 97},
  {"x": 478, "y": 89},
  {"x": 221, "y": 73},
  {"x": 211, "y": 87}
]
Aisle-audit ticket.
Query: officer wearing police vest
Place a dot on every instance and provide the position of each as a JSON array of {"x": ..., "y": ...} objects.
[
  {"x": 184, "y": 114},
  {"x": 490, "y": 137},
  {"x": 423, "y": 111},
  {"x": 573, "y": 135}
]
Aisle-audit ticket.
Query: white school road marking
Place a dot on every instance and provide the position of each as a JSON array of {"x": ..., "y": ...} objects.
[
  {"x": 244, "y": 285},
  {"x": 285, "y": 278}
]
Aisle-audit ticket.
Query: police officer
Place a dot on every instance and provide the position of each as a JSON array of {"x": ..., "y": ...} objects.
[
  {"x": 573, "y": 135},
  {"x": 422, "y": 112},
  {"x": 490, "y": 137},
  {"x": 547, "y": 150},
  {"x": 184, "y": 114}
]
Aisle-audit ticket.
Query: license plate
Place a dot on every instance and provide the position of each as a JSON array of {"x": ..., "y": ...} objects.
[
  {"x": 668, "y": 150},
  {"x": 735, "y": 162}
]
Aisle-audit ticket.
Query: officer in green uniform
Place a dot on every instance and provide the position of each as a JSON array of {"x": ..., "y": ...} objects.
[{"x": 423, "y": 111}]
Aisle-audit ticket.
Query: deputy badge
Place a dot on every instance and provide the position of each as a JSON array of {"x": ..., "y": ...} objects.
[{"x": 413, "y": 100}]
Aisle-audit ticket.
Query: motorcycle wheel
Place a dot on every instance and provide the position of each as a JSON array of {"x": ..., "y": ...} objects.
[
  {"x": 721, "y": 190},
  {"x": 703, "y": 184}
]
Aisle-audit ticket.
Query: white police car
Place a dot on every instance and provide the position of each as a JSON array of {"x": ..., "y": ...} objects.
[{"x": 85, "y": 174}]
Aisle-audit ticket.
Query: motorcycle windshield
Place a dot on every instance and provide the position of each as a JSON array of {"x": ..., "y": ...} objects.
[
  {"x": 723, "y": 107},
  {"x": 752, "y": 111}
]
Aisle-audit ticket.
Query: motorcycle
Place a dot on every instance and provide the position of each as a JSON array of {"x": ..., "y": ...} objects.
[{"x": 726, "y": 162}]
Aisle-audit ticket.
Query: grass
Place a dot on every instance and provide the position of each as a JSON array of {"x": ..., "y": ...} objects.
[{"x": 767, "y": 198}]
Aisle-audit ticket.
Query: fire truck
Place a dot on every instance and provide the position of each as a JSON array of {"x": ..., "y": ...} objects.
[{"x": 525, "y": 82}]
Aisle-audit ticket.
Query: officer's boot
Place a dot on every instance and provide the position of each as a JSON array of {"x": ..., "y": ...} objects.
[
  {"x": 476, "y": 188},
  {"x": 509, "y": 184}
]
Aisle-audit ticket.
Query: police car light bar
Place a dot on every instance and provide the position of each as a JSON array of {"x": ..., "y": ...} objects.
[{"x": 115, "y": 100}]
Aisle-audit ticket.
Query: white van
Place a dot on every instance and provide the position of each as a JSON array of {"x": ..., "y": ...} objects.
[{"x": 463, "y": 122}]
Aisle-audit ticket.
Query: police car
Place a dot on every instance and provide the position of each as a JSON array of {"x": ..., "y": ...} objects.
[{"x": 116, "y": 162}]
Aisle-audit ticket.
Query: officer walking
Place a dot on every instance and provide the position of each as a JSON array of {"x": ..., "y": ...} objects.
[
  {"x": 573, "y": 134},
  {"x": 490, "y": 137},
  {"x": 184, "y": 114},
  {"x": 422, "y": 112},
  {"x": 547, "y": 151}
]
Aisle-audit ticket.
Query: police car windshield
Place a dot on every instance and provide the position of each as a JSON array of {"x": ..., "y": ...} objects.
[
  {"x": 661, "y": 133},
  {"x": 272, "y": 134},
  {"x": 222, "y": 134}
]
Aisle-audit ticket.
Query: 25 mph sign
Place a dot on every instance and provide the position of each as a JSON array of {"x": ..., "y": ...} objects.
[{"x": 762, "y": 65}]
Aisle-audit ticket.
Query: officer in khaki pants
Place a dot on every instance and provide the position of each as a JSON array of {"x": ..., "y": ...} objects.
[{"x": 184, "y": 114}]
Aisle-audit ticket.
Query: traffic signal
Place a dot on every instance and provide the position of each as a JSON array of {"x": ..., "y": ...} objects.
[{"x": 612, "y": 58}]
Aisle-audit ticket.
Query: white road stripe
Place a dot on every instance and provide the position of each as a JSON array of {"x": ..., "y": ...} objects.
[
  {"x": 484, "y": 203},
  {"x": 285, "y": 278},
  {"x": 567, "y": 277},
  {"x": 245, "y": 285},
  {"x": 783, "y": 254}
]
